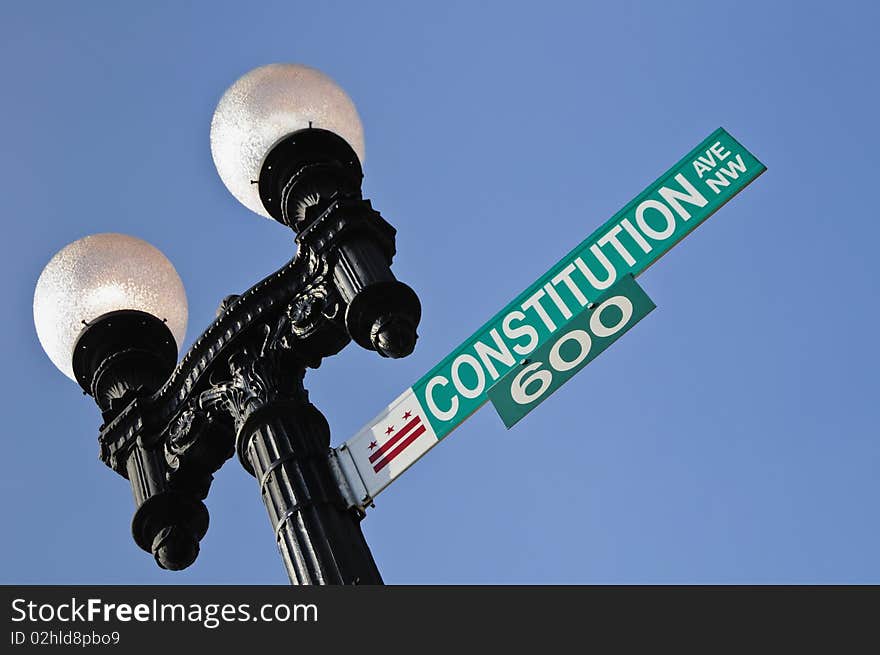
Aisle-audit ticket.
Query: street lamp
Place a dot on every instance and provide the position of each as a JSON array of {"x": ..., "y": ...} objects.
[{"x": 110, "y": 311}]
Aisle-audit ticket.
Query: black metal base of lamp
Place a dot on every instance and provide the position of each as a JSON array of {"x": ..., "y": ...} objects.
[
  {"x": 311, "y": 182},
  {"x": 119, "y": 357},
  {"x": 123, "y": 354}
]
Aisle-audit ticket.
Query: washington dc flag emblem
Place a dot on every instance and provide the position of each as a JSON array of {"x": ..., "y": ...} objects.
[{"x": 395, "y": 439}]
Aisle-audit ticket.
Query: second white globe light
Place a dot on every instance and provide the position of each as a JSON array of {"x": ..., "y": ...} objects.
[
  {"x": 99, "y": 274},
  {"x": 265, "y": 105}
]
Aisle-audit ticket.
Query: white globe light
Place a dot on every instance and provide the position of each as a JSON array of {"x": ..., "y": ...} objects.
[
  {"x": 263, "y": 107},
  {"x": 99, "y": 274}
]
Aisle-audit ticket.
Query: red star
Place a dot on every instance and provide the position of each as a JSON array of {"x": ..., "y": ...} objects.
[
  {"x": 373, "y": 444},
  {"x": 390, "y": 429},
  {"x": 407, "y": 415}
]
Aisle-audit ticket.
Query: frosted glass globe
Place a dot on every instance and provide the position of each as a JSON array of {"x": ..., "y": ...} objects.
[
  {"x": 263, "y": 107},
  {"x": 99, "y": 274}
]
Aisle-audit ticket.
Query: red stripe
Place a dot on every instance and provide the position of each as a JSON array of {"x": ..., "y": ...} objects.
[
  {"x": 394, "y": 453},
  {"x": 393, "y": 440}
]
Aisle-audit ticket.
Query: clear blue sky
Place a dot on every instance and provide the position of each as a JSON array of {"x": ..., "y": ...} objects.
[{"x": 730, "y": 437}]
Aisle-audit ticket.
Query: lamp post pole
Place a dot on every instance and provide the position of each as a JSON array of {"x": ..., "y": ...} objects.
[
  {"x": 284, "y": 441},
  {"x": 239, "y": 389}
]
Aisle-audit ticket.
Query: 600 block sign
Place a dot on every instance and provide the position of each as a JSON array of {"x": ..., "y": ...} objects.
[{"x": 585, "y": 337}]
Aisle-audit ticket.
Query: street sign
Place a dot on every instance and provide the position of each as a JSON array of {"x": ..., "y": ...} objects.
[
  {"x": 584, "y": 338},
  {"x": 627, "y": 244}
]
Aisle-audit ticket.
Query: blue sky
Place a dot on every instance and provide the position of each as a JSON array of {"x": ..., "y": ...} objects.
[{"x": 731, "y": 437}]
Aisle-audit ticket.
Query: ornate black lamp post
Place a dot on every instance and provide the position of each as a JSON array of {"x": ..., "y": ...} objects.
[{"x": 111, "y": 312}]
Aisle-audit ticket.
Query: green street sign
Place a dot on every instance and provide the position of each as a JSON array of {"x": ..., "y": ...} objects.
[
  {"x": 627, "y": 244},
  {"x": 545, "y": 323},
  {"x": 586, "y": 335}
]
